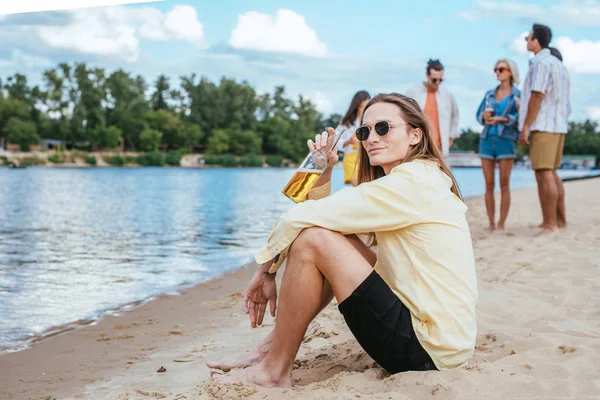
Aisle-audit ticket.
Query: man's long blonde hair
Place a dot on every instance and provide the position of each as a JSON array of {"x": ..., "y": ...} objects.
[{"x": 424, "y": 150}]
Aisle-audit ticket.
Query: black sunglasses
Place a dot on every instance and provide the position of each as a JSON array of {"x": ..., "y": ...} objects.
[
  {"x": 435, "y": 80},
  {"x": 381, "y": 128},
  {"x": 500, "y": 69}
]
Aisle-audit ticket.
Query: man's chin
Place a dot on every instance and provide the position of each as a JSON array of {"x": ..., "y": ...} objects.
[{"x": 374, "y": 161}]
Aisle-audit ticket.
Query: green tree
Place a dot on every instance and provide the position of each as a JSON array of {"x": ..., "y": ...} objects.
[
  {"x": 126, "y": 106},
  {"x": 150, "y": 139},
  {"x": 190, "y": 135},
  {"x": 218, "y": 142},
  {"x": 168, "y": 124},
  {"x": 161, "y": 93},
  {"x": 106, "y": 137},
  {"x": 243, "y": 141},
  {"x": 468, "y": 141},
  {"x": 332, "y": 121},
  {"x": 21, "y": 132}
]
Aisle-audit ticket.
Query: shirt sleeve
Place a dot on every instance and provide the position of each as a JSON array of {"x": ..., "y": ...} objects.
[
  {"x": 388, "y": 203},
  {"x": 513, "y": 117},
  {"x": 454, "y": 121},
  {"x": 540, "y": 78}
]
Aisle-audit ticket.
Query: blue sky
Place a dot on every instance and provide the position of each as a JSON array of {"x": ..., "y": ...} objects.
[{"x": 325, "y": 50}]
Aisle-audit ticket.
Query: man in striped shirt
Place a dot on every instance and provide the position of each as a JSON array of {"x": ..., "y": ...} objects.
[{"x": 543, "y": 122}]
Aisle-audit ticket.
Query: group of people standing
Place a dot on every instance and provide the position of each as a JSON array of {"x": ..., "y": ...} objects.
[{"x": 536, "y": 116}]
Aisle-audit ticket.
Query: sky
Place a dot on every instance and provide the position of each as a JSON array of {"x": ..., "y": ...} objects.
[{"x": 324, "y": 50}]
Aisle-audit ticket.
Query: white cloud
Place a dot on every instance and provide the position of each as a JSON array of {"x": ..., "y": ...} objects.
[
  {"x": 284, "y": 32},
  {"x": 579, "y": 56},
  {"x": 29, "y": 61},
  {"x": 22, "y": 6},
  {"x": 101, "y": 31},
  {"x": 594, "y": 113},
  {"x": 559, "y": 12},
  {"x": 582, "y": 57},
  {"x": 20, "y": 60},
  {"x": 518, "y": 45},
  {"x": 112, "y": 32},
  {"x": 181, "y": 23},
  {"x": 322, "y": 102}
]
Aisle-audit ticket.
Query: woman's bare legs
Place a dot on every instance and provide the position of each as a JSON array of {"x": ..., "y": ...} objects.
[
  {"x": 488, "y": 166},
  {"x": 506, "y": 166},
  {"x": 316, "y": 256}
]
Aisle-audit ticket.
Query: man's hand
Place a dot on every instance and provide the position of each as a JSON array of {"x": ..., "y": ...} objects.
[
  {"x": 261, "y": 291},
  {"x": 524, "y": 137},
  {"x": 321, "y": 142}
]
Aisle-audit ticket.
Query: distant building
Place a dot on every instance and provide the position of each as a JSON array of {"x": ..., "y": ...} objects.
[
  {"x": 576, "y": 161},
  {"x": 51, "y": 144},
  {"x": 463, "y": 159}
]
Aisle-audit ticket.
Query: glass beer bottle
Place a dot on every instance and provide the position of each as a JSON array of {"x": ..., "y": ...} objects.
[{"x": 310, "y": 170}]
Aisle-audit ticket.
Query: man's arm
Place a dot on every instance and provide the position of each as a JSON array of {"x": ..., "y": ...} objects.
[{"x": 533, "y": 109}]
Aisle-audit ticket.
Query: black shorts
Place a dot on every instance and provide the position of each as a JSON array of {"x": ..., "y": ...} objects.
[{"x": 383, "y": 327}]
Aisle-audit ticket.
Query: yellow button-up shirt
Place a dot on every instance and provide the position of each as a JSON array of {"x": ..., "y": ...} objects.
[{"x": 425, "y": 252}]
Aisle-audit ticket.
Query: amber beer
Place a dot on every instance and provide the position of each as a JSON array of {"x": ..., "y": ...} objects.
[
  {"x": 311, "y": 169},
  {"x": 303, "y": 180}
]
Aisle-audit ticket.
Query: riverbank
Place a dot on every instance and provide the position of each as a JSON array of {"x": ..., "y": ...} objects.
[
  {"x": 537, "y": 322},
  {"x": 82, "y": 159}
]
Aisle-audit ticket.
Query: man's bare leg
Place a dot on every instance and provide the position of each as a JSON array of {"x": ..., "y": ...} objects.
[
  {"x": 538, "y": 179},
  {"x": 549, "y": 201},
  {"x": 561, "y": 214},
  {"x": 257, "y": 354},
  {"x": 316, "y": 255}
]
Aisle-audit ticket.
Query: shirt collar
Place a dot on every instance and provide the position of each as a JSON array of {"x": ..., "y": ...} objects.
[{"x": 541, "y": 54}]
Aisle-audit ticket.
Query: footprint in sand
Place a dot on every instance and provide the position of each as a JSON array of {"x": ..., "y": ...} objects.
[
  {"x": 567, "y": 349},
  {"x": 105, "y": 338}
]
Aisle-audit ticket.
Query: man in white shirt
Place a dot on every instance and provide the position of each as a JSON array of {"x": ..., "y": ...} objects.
[
  {"x": 543, "y": 122},
  {"x": 438, "y": 105}
]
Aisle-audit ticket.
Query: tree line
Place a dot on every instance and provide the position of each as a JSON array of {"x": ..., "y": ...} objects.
[
  {"x": 92, "y": 109},
  {"x": 583, "y": 138}
]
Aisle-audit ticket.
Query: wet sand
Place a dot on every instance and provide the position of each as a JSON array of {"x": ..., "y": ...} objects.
[{"x": 538, "y": 331}]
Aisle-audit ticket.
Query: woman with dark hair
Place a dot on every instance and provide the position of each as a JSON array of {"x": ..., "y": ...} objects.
[
  {"x": 499, "y": 115},
  {"x": 411, "y": 305},
  {"x": 348, "y": 144}
]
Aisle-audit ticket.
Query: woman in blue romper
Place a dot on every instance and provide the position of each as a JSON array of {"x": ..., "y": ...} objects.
[{"x": 499, "y": 113}]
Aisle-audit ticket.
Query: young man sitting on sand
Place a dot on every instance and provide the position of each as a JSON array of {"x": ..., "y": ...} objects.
[{"x": 411, "y": 306}]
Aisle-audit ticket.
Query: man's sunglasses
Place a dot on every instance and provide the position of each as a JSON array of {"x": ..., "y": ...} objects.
[
  {"x": 436, "y": 80},
  {"x": 499, "y": 70},
  {"x": 381, "y": 128}
]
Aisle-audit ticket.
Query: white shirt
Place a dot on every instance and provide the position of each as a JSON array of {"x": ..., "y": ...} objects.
[
  {"x": 348, "y": 132},
  {"x": 447, "y": 112},
  {"x": 547, "y": 75}
]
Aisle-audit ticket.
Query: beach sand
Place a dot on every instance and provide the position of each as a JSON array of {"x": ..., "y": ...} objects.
[{"x": 538, "y": 331}]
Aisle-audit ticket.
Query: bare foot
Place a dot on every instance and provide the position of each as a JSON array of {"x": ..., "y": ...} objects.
[
  {"x": 562, "y": 225},
  {"x": 257, "y": 375},
  {"x": 500, "y": 227},
  {"x": 241, "y": 361},
  {"x": 490, "y": 228},
  {"x": 547, "y": 232}
]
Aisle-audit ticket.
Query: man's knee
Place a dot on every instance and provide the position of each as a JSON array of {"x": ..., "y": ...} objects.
[
  {"x": 543, "y": 175},
  {"x": 310, "y": 239}
]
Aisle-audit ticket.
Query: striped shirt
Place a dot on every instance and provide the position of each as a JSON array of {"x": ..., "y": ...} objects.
[{"x": 547, "y": 75}]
